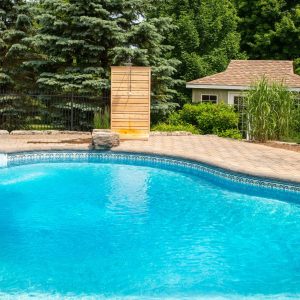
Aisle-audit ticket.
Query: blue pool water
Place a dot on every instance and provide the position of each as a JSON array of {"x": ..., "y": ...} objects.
[{"x": 113, "y": 230}]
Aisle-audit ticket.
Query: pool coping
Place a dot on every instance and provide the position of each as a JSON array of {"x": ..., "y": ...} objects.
[
  {"x": 236, "y": 156},
  {"x": 213, "y": 170},
  {"x": 187, "y": 157}
]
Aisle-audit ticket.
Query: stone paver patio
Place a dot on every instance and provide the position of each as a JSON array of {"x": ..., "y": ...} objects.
[{"x": 248, "y": 158}]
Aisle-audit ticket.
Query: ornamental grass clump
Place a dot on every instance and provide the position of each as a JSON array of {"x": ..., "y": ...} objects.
[
  {"x": 102, "y": 118},
  {"x": 270, "y": 109}
]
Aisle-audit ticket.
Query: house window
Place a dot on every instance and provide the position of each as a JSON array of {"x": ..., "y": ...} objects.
[
  {"x": 209, "y": 98},
  {"x": 238, "y": 101}
]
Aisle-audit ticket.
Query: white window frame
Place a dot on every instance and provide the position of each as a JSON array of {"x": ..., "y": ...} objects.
[
  {"x": 231, "y": 96},
  {"x": 217, "y": 101}
]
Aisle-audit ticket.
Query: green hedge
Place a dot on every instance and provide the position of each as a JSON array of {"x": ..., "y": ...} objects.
[
  {"x": 229, "y": 133},
  {"x": 205, "y": 118},
  {"x": 180, "y": 127}
]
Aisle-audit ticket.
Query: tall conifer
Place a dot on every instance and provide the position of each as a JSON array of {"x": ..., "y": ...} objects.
[
  {"x": 81, "y": 39},
  {"x": 15, "y": 27}
]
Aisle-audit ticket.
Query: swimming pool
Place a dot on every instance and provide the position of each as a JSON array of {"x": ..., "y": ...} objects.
[{"x": 96, "y": 225}]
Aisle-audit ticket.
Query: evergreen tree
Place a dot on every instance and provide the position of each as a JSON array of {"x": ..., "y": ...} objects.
[
  {"x": 206, "y": 38},
  {"x": 15, "y": 27},
  {"x": 73, "y": 37},
  {"x": 270, "y": 29},
  {"x": 142, "y": 41},
  {"x": 81, "y": 39}
]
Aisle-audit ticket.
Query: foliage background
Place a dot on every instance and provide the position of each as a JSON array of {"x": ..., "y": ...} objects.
[{"x": 69, "y": 45}]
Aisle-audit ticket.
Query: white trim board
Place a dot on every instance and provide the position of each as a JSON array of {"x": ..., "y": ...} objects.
[
  {"x": 217, "y": 87},
  {"x": 229, "y": 87}
]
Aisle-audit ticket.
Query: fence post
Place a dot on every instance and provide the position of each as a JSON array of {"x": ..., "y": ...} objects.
[{"x": 72, "y": 111}]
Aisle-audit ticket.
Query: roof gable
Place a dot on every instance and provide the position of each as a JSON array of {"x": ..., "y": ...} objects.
[{"x": 243, "y": 73}]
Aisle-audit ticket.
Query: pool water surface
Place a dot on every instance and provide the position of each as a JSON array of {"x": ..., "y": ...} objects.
[{"x": 115, "y": 230}]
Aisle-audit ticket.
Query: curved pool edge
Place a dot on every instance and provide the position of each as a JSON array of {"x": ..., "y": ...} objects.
[
  {"x": 208, "y": 162},
  {"x": 216, "y": 173},
  {"x": 237, "y": 156}
]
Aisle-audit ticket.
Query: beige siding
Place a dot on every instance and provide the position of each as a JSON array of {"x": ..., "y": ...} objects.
[{"x": 222, "y": 94}]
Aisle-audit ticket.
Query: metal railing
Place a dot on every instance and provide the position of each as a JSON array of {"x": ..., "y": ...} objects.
[{"x": 47, "y": 111}]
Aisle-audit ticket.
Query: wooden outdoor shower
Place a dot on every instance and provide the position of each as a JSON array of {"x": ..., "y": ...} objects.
[{"x": 130, "y": 101}]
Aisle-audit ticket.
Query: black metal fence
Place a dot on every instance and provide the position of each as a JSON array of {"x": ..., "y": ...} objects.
[{"x": 45, "y": 111}]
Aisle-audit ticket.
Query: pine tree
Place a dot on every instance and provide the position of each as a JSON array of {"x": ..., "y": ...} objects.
[
  {"x": 142, "y": 41},
  {"x": 206, "y": 38},
  {"x": 81, "y": 39},
  {"x": 15, "y": 27},
  {"x": 73, "y": 38}
]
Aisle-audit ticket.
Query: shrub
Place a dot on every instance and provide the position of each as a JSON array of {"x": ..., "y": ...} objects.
[
  {"x": 190, "y": 113},
  {"x": 218, "y": 117},
  {"x": 208, "y": 117},
  {"x": 180, "y": 127},
  {"x": 175, "y": 119},
  {"x": 229, "y": 133}
]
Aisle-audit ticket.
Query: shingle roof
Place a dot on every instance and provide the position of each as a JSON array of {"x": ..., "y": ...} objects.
[{"x": 244, "y": 73}]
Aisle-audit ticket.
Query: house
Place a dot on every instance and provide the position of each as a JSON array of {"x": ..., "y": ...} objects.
[{"x": 240, "y": 75}]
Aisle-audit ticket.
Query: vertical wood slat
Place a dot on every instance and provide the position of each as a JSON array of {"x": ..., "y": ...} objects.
[{"x": 130, "y": 101}]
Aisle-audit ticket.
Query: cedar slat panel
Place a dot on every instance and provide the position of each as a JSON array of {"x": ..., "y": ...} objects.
[
  {"x": 125, "y": 101},
  {"x": 126, "y": 78},
  {"x": 128, "y": 97},
  {"x": 126, "y": 85},
  {"x": 131, "y": 124},
  {"x": 132, "y": 93},
  {"x": 131, "y": 105},
  {"x": 135, "y": 131},
  {"x": 127, "y": 109},
  {"x": 130, "y": 101},
  {"x": 131, "y": 116},
  {"x": 132, "y": 89},
  {"x": 117, "y": 69}
]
